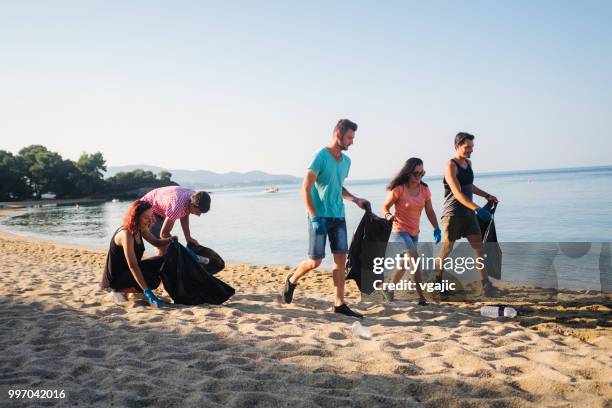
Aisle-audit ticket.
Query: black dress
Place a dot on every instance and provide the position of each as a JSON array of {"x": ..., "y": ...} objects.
[{"x": 117, "y": 274}]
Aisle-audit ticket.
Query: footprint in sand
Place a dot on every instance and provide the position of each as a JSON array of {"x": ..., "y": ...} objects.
[
  {"x": 337, "y": 336},
  {"x": 405, "y": 369},
  {"x": 512, "y": 371},
  {"x": 266, "y": 322},
  {"x": 89, "y": 305}
]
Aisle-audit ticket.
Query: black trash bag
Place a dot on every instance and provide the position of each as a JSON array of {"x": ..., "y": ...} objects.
[
  {"x": 215, "y": 265},
  {"x": 369, "y": 242},
  {"x": 188, "y": 283},
  {"x": 493, "y": 259}
]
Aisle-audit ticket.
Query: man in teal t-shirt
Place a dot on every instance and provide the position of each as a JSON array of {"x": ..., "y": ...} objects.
[
  {"x": 323, "y": 193},
  {"x": 327, "y": 190}
]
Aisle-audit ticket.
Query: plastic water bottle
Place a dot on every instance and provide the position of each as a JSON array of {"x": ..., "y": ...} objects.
[
  {"x": 497, "y": 311},
  {"x": 360, "y": 331},
  {"x": 203, "y": 260}
]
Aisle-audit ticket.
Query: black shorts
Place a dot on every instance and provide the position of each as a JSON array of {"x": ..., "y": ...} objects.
[
  {"x": 156, "y": 227},
  {"x": 456, "y": 227}
]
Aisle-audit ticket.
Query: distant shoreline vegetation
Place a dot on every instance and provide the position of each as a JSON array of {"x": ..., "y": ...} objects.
[{"x": 36, "y": 172}]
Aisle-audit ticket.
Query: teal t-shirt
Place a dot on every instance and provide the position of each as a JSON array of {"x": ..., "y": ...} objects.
[{"x": 327, "y": 191}]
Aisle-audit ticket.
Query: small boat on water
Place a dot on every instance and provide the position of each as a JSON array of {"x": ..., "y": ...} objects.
[{"x": 271, "y": 190}]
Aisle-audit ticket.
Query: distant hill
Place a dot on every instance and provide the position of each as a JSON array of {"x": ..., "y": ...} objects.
[{"x": 210, "y": 179}]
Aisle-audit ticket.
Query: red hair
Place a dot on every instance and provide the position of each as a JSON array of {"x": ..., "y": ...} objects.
[{"x": 132, "y": 215}]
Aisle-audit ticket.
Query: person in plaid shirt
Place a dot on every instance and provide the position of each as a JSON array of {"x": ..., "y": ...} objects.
[{"x": 175, "y": 203}]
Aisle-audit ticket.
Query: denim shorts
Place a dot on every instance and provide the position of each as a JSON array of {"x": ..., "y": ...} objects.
[
  {"x": 335, "y": 229},
  {"x": 400, "y": 242}
]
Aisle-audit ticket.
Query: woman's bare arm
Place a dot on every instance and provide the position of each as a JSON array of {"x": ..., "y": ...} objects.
[{"x": 126, "y": 240}]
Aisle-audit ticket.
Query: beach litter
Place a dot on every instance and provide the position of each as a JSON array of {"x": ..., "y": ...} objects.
[
  {"x": 498, "y": 311},
  {"x": 360, "y": 331}
]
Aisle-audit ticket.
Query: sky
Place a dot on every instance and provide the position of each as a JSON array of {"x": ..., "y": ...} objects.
[{"x": 240, "y": 86}]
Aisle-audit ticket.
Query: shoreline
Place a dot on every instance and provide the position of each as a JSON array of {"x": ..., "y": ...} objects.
[
  {"x": 49, "y": 202},
  {"x": 29, "y": 235}
]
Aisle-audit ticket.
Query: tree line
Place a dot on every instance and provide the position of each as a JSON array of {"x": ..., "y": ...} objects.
[{"x": 35, "y": 171}]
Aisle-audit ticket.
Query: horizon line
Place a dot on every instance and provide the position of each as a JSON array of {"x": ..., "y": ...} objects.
[{"x": 486, "y": 173}]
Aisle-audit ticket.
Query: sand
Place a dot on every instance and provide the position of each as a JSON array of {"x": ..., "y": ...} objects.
[{"x": 60, "y": 332}]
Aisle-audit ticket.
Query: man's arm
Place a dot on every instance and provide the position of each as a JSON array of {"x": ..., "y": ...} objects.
[
  {"x": 450, "y": 174},
  {"x": 309, "y": 180},
  {"x": 484, "y": 194},
  {"x": 361, "y": 202},
  {"x": 186, "y": 231},
  {"x": 166, "y": 228},
  {"x": 153, "y": 240}
]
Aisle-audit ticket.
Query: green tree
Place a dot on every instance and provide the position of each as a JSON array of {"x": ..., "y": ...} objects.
[
  {"x": 13, "y": 183},
  {"x": 165, "y": 175},
  {"x": 92, "y": 168},
  {"x": 92, "y": 165},
  {"x": 136, "y": 179},
  {"x": 42, "y": 167},
  {"x": 64, "y": 180}
]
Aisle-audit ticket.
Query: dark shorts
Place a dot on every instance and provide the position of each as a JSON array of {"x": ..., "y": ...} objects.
[
  {"x": 156, "y": 227},
  {"x": 456, "y": 227},
  {"x": 335, "y": 229}
]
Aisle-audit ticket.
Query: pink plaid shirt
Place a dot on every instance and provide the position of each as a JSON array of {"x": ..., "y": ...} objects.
[{"x": 170, "y": 202}]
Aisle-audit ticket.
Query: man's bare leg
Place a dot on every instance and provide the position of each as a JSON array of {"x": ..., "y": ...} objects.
[
  {"x": 487, "y": 287},
  {"x": 305, "y": 267},
  {"x": 476, "y": 243},
  {"x": 445, "y": 251},
  {"x": 292, "y": 279},
  {"x": 339, "y": 276}
]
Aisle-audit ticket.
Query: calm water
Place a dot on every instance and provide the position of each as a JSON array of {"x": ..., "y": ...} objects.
[{"x": 248, "y": 225}]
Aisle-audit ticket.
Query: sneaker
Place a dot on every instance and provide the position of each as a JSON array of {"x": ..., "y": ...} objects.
[
  {"x": 388, "y": 295},
  {"x": 442, "y": 295},
  {"x": 288, "y": 289},
  {"x": 118, "y": 297},
  {"x": 345, "y": 310},
  {"x": 489, "y": 290}
]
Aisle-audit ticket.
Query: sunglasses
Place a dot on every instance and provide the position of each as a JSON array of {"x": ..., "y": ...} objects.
[{"x": 418, "y": 173}]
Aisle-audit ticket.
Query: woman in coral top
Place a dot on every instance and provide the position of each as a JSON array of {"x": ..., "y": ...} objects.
[{"x": 409, "y": 195}]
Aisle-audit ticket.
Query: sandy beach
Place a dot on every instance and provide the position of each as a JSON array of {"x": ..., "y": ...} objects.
[{"x": 60, "y": 332}]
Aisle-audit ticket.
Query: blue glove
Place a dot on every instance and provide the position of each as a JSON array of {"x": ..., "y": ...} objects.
[
  {"x": 153, "y": 300},
  {"x": 437, "y": 235},
  {"x": 483, "y": 214},
  {"x": 191, "y": 252},
  {"x": 318, "y": 226}
]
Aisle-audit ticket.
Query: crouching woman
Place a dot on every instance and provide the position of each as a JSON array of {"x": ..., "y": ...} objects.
[{"x": 125, "y": 270}]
